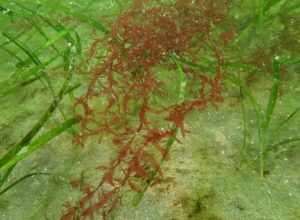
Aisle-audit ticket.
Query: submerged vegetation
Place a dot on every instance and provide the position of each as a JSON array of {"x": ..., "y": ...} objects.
[
  {"x": 263, "y": 117},
  {"x": 133, "y": 74}
]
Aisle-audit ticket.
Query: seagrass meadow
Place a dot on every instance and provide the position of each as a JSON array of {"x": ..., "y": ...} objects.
[{"x": 149, "y": 110}]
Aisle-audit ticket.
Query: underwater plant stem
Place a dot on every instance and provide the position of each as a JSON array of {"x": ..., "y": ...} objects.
[
  {"x": 268, "y": 115},
  {"x": 262, "y": 157},
  {"x": 260, "y": 118},
  {"x": 244, "y": 149},
  {"x": 273, "y": 96}
]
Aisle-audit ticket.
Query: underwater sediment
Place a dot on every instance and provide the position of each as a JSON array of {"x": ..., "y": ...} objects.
[{"x": 149, "y": 109}]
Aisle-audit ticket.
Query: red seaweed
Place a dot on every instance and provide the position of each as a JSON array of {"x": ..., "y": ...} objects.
[{"x": 123, "y": 78}]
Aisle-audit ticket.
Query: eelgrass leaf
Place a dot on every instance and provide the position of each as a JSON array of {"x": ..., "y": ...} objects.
[
  {"x": 244, "y": 117},
  {"x": 270, "y": 4},
  {"x": 290, "y": 62},
  {"x": 33, "y": 58},
  {"x": 261, "y": 16},
  {"x": 31, "y": 134},
  {"x": 11, "y": 89},
  {"x": 37, "y": 27},
  {"x": 21, "y": 180},
  {"x": 7, "y": 15},
  {"x": 86, "y": 18},
  {"x": 260, "y": 120},
  {"x": 69, "y": 67},
  {"x": 287, "y": 119},
  {"x": 36, "y": 69},
  {"x": 3, "y": 177},
  {"x": 16, "y": 37},
  {"x": 273, "y": 95},
  {"x": 281, "y": 143},
  {"x": 265, "y": 119},
  {"x": 290, "y": 9},
  {"x": 40, "y": 30},
  {"x": 66, "y": 60},
  {"x": 208, "y": 70},
  {"x": 10, "y": 85},
  {"x": 62, "y": 31},
  {"x": 78, "y": 45},
  {"x": 274, "y": 132},
  {"x": 58, "y": 27},
  {"x": 32, "y": 55},
  {"x": 273, "y": 6},
  {"x": 24, "y": 48},
  {"x": 192, "y": 64},
  {"x": 241, "y": 66},
  {"x": 37, "y": 143},
  {"x": 183, "y": 82},
  {"x": 256, "y": 106},
  {"x": 245, "y": 31},
  {"x": 58, "y": 36},
  {"x": 12, "y": 54}
]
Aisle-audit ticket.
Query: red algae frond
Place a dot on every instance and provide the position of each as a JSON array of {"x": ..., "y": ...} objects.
[{"x": 123, "y": 78}]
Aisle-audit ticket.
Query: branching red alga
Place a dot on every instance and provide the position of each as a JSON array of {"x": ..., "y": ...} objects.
[{"x": 123, "y": 78}]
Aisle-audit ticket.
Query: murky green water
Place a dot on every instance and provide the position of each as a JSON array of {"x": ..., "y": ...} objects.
[{"x": 214, "y": 172}]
